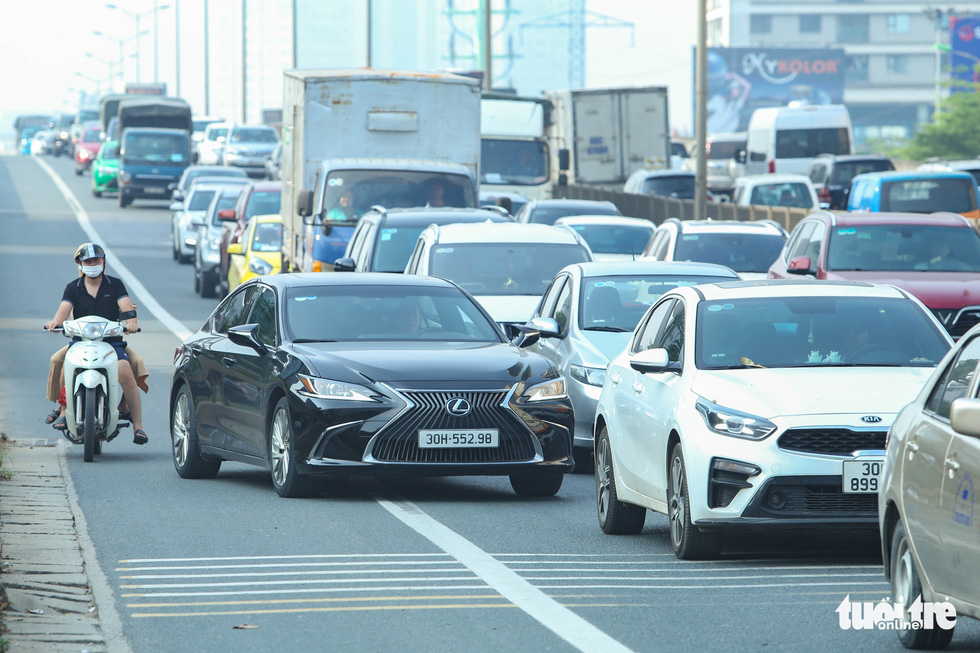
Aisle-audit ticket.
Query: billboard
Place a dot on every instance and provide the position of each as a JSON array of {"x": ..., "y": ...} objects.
[
  {"x": 741, "y": 80},
  {"x": 964, "y": 52}
]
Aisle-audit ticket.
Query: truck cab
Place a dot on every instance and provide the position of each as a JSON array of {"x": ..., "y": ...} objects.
[
  {"x": 514, "y": 154},
  {"x": 150, "y": 160}
]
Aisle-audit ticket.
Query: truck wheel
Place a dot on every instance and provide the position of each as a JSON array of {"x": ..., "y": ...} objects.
[
  {"x": 89, "y": 421},
  {"x": 124, "y": 200},
  {"x": 96, "y": 193}
]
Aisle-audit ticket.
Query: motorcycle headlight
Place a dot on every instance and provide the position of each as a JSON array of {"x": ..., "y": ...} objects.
[
  {"x": 92, "y": 330},
  {"x": 589, "y": 375},
  {"x": 260, "y": 267},
  {"x": 735, "y": 423},
  {"x": 546, "y": 391},
  {"x": 327, "y": 389}
]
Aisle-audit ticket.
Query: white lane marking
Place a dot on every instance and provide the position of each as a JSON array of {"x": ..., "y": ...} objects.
[
  {"x": 312, "y": 556},
  {"x": 550, "y": 613},
  {"x": 310, "y": 581},
  {"x": 318, "y": 590},
  {"x": 132, "y": 283},
  {"x": 295, "y": 564}
]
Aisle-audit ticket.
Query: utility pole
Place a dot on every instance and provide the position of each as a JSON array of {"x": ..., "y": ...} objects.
[
  {"x": 156, "y": 45},
  {"x": 244, "y": 63},
  {"x": 368, "y": 64},
  {"x": 177, "y": 42},
  {"x": 207, "y": 62},
  {"x": 701, "y": 113},
  {"x": 487, "y": 45}
]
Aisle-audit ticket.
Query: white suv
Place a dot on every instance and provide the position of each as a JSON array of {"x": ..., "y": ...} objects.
[
  {"x": 506, "y": 266},
  {"x": 759, "y": 404}
]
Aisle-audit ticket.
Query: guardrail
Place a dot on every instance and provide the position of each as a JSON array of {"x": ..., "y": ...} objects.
[{"x": 658, "y": 209}]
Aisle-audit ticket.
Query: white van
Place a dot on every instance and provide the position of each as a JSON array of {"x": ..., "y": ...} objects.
[{"x": 788, "y": 139}]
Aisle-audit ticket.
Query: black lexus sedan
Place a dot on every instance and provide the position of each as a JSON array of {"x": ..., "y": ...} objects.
[{"x": 365, "y": 373}]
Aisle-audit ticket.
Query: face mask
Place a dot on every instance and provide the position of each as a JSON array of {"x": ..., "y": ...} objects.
[{"x": 91, "y": 270}]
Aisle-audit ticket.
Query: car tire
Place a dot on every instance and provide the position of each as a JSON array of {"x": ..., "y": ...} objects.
[
  {"x": 286, "y": 479},
  {"x": 96, "y": 193},
  {"x": 184, "y": 445},
  {"x": 688, "y": 541},
  {"x": 615, "y": 517},
  {"x": 183, "y": 259},
  {"x": 176, "y": 248},
  {"x": 78, "y": 171},
  {"x": 124, "y": 200},
  {"x": 906, "y": 587},
  {"x": 206, "y": 285},
  {"x": 537, "y": 486}
]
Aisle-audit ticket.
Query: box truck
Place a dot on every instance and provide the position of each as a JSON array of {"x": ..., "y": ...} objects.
[
  {"x": 353, "y": 139},
  {"x": 515, "y": 156}
]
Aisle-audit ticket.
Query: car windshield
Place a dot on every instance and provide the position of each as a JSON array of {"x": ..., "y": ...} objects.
[
  {"x": 223, "y": 202},
  {"x": 216, "y": 133},
  {"x": 173, "y": 149},
  {"x": 615, "y": 238},
  {"x": 808, "y": 143},
  {"x": 371, "y": 313},
  {"x": 740, "y": 252},
  {"x": 253, "y": 136},
  {"x": 792, "y": 194},
  {"x": 200, "y": 200},
  {"x": 902, "y": 248},
  {"x": 201, "y": 125},
  {"x": 724, "y": 149},
  {"x": 843, "y": 172},
  {"x": 679, "y": 187},
  {"x": 503, "y": 268},
  {"x": 352, "y": 192},
  {"x": 929, "y": 195},
  {"x": 393, "y": 248},
  {"x": 92, "y": 136},
  {"x": 267, "y": 237},
  {"x": 816, "y": 331},
  {"x": 521, "y": 163},
  {"x": 617, "y": 303},
  {"x": 548, "y": 214},
  {"x": 109, "y": 151},
  {"x": 263, "y": 202}
]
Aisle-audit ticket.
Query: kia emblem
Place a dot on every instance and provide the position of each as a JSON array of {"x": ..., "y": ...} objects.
[
  {"x": 458, "y": 407},
  {"x": 871, "y": 419}
]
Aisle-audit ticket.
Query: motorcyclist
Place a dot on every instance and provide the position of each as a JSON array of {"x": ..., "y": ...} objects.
[{"x": 96, "y": 293}]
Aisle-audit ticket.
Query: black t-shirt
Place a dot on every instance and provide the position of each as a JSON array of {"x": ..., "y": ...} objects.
[{"x": 104, "y": 304}]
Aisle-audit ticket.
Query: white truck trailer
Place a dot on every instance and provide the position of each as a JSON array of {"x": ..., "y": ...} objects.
[
  {"x": 600, "y": 136},
  {"x": 357, "y": 138}
]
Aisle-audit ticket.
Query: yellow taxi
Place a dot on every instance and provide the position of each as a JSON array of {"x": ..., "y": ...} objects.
[{"x": 258, "y": 252}]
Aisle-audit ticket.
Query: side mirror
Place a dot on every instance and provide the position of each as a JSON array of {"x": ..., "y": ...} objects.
[
  {"x": 176, "y": 206},
  {"x": 650, "y": 360},
  {"x": 526, "y": 335},
  {"x": 304, "y": 203},
  {"x": 235, "y": 249},
  {"x": 177, "y": 196},
  {"x": 247, "y": 335},
  {"x": 345, "y": 264},
  {"x": 226, "y": 215},
  {"x": 564, "y": 158},
  {"x": 740, "y": 156},
  {"x": 799, "y": 265},
  {"x": 964, "y": 417},
  {"x": 546, "y": 326}
]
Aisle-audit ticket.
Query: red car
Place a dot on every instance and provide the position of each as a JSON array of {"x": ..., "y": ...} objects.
[
  {"x": 87, "y": 148},
  {"x": 258, "y": 198},
  {"x": 935, "y": 257}
]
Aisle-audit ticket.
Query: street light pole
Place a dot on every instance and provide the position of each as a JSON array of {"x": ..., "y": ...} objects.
[
  {"x": 207, "y": 61},
  {"x": 701, "y": 113},
  {"x": 177, "y": 43},
  {"x": 137, "y": 17}
]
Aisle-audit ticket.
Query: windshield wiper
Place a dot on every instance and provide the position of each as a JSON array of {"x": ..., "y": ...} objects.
[
  {"x": 304, "y": 340},
  {"x": 610, "y": 329}
]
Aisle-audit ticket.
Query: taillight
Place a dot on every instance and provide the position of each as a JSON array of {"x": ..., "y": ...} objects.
[
  {"x": 824, "y": 195},
  {"x": 772, "y": 166}
]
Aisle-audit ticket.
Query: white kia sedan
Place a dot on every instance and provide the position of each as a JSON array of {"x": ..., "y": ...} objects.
[{"x": 758, "y": 404}]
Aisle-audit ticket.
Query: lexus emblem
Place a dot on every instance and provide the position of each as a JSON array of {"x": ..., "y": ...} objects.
[
  {"x": 871, "y": 419},
  {"x": 458, "y": 407}
]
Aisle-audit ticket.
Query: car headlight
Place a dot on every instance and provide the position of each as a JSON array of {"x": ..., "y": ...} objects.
[
  {"x": 64, "y": 135},
  {"x": 214, "y": 242},
  {"x": 260, "y": 267},
  {"x": 83, "y": 154},
  {"x": 327, "y": 389},
  {"x": 735, "y": 423},
  {"x": 125, "y": 177},
  {"x": 589, "y": 375},
  {"x": 546, "y": 391}
]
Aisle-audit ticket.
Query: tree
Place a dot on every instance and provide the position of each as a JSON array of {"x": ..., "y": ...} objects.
[{"x": 953, "y": 134}]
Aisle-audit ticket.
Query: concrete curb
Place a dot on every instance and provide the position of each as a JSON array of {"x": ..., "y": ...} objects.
[{"x": 59, "y": 599}]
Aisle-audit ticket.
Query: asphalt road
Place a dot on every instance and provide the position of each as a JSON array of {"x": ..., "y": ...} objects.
[{"x": 409, "y": 565}]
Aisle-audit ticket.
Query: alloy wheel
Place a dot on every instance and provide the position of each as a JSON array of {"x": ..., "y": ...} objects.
[
  {"x": 180, "y": 430},
  {"x": 677, "y": 506},
  {"x": 603, "y": 478},
  {"x": 280, "y": 448}
]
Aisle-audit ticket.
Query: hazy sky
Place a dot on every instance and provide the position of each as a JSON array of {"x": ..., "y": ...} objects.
[{"x": 45, "y": 45}]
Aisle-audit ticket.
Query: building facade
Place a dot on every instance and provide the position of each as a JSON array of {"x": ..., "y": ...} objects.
[{"x": 895, "y": 73}]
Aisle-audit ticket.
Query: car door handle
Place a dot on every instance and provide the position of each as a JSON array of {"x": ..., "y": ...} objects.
[
  {"x": 229, "y": 361},
  {"x": 913, "y": 447},
  {"x": 615, "y": 378},
  {"x": 952, "y": 466},
  {"x": 637, "y": 386}
]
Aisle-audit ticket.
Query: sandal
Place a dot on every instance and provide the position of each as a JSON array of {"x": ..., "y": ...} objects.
[
  {"x": 139, "y": 437},
  {"x": 53, "y": 415},
  {"x": 60, "y": 424}
]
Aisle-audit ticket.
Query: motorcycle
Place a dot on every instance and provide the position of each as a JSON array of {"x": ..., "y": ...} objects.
[{"x": 92, "y": 383}]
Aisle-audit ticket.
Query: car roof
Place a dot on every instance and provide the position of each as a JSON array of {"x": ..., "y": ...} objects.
[
  {"x": 652, "y": 267},
  {"x": 213, "y": 184},
  {"x": 414, "y": 217},
  {"x": 772, "y": 178},
  {"x": 314, "y": 279},
  {"x": 228, "y": 180},
  {"x": 766, "y": 288},
  {"x": 153, "y": 130},
  {"x": 856, "y": 218},
  {"x": 722, "y": 137},
  {"x": 264, "y": 186},
  {"x": 906, "y": 175},
  {"x": 506, "y": 232},
  {"x": 622, "y": 220},
  {"x": 853, "y": 157},
  {"x": 727, "y": 226},
  {"x": 649, "y": 174},
  {"x": 568, "y": 202},
  {"x": 968, "y": 164},
  {"x": 270, "y": 217}
]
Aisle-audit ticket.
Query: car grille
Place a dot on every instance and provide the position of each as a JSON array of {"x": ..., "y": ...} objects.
[
  {"x": 825, "y": 498},
  {"x": 398, "y": 441},
  {"x": 958, "y": 321},
  {"x": 831, "y": 442}
]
